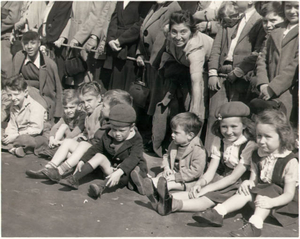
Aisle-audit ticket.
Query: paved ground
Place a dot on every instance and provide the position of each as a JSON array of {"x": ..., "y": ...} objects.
[{"x": 39, "y": 208}]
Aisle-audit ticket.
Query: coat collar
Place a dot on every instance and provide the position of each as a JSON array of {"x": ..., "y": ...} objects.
[
  {"x": 127, "y": 143},
  {"x": 249, "y": 24},
  {"x": 195, "y": 142},
  {"x": 154, "y": 15}
]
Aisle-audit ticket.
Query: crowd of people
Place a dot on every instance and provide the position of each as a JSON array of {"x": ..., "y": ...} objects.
[{"x": 211, "y": 86}]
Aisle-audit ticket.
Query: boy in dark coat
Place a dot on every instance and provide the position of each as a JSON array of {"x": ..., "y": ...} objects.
[{"x": 119, "y": 153}]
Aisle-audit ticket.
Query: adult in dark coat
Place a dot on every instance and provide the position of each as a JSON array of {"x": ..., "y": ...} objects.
[
  {"x": 220, "y": 88},
  {"x": 152, "y": 45},
  {"x": 277, "y": 68},
  {"x": 122, "y": 38}
]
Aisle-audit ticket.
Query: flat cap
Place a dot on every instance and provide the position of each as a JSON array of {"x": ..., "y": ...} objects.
[{"x": 122, "y": 115}]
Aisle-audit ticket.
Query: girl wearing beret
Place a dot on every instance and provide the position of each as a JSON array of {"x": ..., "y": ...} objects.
[
  {"x": 230, "y": 158},
  {"x": 273, "y": 183}
]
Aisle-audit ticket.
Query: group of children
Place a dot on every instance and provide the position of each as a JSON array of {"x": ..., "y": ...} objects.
[
  {"x": 249, "y": 158},
  {"x": 100, "y": 132}
]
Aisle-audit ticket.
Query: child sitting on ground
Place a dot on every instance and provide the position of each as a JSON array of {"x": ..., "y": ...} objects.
[
  {"x": 273, "y": 183},
  {"x": 110, "y": 99},
  {"x": 230, "y": 158},
  {"x": 27, "y": 117},
  {"x": 186, "y": 158},
  {"x": 69, "y": 126},
  {"x": 119, "y": 154}
]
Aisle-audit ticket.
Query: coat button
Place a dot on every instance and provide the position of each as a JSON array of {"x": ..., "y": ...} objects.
[
  {"x": 146, "y": 33},
  {"x": 146, "y": 45},
  {"x": 117, "y": 159}
]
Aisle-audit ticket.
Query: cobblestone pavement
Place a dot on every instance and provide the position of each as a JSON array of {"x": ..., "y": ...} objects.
[{"x": 39, "y": 208}]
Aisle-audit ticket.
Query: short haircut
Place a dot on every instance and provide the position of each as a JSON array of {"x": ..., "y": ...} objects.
[
  {"x": 70, "y": 95},
  {"x": 226, "y": 10},
  {"x": 282, "y": 126},
  {"x": 184, "y": 17},
  {"x": 92, "y": 88},
  {"x": 117, "y": 96},
  {"x": 16, "y": 83},
  {"x": 270, "y": 7},
  {"x": 29, "y": 36},
  {"x": 189, "y": 122}
]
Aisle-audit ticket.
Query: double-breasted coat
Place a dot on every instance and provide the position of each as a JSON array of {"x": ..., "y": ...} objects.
[{"x": 278, "y": 67}]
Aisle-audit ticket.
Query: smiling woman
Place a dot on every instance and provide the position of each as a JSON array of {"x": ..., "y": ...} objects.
[{"x": 183, "y": 68}]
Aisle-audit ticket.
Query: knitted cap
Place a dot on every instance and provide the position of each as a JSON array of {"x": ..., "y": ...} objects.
[
  {"x": 259, "y": 105},
  {"x": 122, "y": 115},
  {"x": 232, "y": 109}
]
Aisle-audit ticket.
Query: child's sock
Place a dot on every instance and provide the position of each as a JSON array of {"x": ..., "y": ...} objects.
[
  {"x": 85, "y": 170},
  {"x": 221, "y": 209},
  {"x": 50, "y": 165},
  {"x": 256, "y": 221},
  {"x": 176, "y": 205},
  {"x": 63, "y": 168}
]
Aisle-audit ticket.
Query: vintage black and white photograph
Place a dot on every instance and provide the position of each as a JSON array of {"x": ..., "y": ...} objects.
[{"x": 149, "y": 118}]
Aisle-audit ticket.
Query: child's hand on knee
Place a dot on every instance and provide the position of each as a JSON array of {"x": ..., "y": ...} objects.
[
  {"x": 114, "y": 178},
  {"x": 195, "y": 191},
  {"x": 9, "y": 139},
  {"x": 167, "y": 172},
  {"x": 79, "y": 167},
  {"x": 170, "y": 177},
  {"x": 245, "y": 186},
  {"x": 263, "y": 202}
]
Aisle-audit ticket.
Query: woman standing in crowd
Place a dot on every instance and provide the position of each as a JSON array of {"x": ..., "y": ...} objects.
[
  {"x": 151, "y": 45},
  {"x": 183, "y": 69}
]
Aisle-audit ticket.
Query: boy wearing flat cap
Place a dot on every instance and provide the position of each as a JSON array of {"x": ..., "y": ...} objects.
[{"x": 119, "y": 153}]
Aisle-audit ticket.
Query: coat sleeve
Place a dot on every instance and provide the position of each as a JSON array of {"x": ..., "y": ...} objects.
[
  {"x": 12, "y": 127},
  {"x": 214, "y": 58},
  {"x": 86, "y": 28},
  {"x": 261, "y": 66},
  {"x": 56, "y": 127},
  {"x": 286, "y": 78},
  {"x": 257, "y": 37},
  {"x": 195, "y": 169},
  {"x": 112, "y": 29},
  {"x": 136, "y": 154},
  {"x": 14, "y": 12},
  {"x": 58, "y": 87}
]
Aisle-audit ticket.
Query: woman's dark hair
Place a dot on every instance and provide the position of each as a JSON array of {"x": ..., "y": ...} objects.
[
  {"x": 282, "y": 126},
  {"x": 249, "y": 131},
  {"x": 184, "y": 17},
  {"x": 266, "y": 8}
]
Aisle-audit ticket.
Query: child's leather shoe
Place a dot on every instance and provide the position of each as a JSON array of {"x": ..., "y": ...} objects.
[
  {"x": 138, "y": 180},
  {"x": 96, "y": 190},
  {"x": 36, "y": 174},
  {"x": 70, "y": 181},
  {"x": 19, "y": 152},
  {"x": 165, "y": 200},
  {"x": 151, "y": 192},
  {"x": 52, "y": 174},
  {"x": 210, "y": 216},
  {"x": 248, "y": 230}
]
